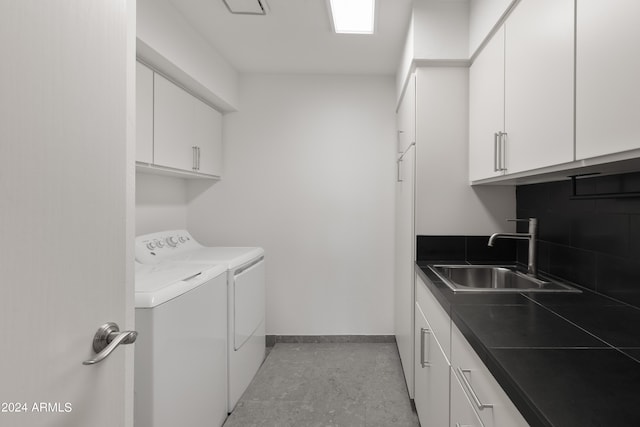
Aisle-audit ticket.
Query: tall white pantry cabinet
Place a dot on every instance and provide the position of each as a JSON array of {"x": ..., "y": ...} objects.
[
  {"x": 405, "y": 234},
  {"x": 433, "y": 196}
]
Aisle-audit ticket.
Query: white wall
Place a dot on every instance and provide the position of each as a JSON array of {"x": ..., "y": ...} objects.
[
  {"x": 309, "y": 176},
  {"x": 161, "y": 203},
  {"x": 406, "y": 61},
  {"x": 168, "y": 43},
  {"x": 441, "y": 29},
  {"x": 438, "y": 31}
]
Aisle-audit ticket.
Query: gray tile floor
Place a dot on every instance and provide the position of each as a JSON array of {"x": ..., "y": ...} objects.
[{"x": 327, "y": 384}]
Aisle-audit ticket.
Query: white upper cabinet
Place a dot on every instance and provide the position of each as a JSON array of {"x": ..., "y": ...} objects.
[
  {"x": 539, "y": 75},
  {"x": 607, "y": 72},
  {"x": 208, "y": 138},
  {"x": 521, "y": 92},
  {"x": 144, "y": 114},
  {"x": 187, "y": 132},
  {"x": 173, "y": 126},
  {"x": 486, "y": 109}
]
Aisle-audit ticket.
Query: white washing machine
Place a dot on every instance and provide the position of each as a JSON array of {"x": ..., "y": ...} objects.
[
  {"x": 245, "y": 297},
  {"x": 181, "y": 352}
]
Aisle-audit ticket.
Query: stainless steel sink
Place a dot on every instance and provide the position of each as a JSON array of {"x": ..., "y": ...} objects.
[{"x": 492, "y": 278}]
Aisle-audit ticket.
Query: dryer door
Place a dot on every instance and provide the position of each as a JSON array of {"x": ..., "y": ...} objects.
[{"x": 248, "y": 301}]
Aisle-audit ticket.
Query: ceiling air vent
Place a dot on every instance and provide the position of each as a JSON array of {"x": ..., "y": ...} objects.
[{"x": 247, "y": 7}]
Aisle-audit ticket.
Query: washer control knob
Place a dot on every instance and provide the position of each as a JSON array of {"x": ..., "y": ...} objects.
[
  {"x": 182, "y": 239},
  {"x": 151, "y": 246},
  {"x": 159, "y": 243},
  {"x": 172, "y": 241}
]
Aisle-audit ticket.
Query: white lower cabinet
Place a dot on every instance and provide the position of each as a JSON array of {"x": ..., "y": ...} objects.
[
  {"x": 462, "y": 412},
  {"x": 432, "y": 338},
  {"x": 493, "y": 406},
  {"x": 453, "y": 387},
  {"x": 431, "y": 375}
]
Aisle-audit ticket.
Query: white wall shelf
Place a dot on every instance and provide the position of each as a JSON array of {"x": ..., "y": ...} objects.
[{"x": 176, "y": 173}]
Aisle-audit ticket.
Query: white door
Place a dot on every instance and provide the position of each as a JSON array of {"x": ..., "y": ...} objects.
[{"x": 67, "y": 85}]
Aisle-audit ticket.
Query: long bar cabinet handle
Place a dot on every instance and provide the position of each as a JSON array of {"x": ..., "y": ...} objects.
[
  {"x": 472, "y": 393},
  {"x": 423, "y": 333}
]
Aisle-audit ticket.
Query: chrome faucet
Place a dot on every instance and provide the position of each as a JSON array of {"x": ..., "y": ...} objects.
[{"x": 532, "y": 236}]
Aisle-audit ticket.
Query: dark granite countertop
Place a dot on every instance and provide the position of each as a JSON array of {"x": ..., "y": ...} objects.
[{"x": 564, "y": 359}]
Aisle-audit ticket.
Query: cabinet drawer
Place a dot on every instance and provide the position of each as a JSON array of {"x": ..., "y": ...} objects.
[
  {"x": 495, "y": 409},
  {"x": 438, "y": 318},
  {"x": 462, "y": 408}
]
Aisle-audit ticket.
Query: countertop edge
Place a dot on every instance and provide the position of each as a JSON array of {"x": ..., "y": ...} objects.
[{"x": 518, "y": 396}]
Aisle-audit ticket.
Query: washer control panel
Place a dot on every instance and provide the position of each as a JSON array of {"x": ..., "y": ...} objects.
[{"x": 155, "y": 247}]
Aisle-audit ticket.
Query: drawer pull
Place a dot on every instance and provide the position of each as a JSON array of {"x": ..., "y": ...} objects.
[
  {"x": 424, "y": 363},
  {"x": 472, "y": 393}
]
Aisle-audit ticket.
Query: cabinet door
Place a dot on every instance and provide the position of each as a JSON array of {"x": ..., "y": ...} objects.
[
  {"x": 486, "y": 108},
  {"x": 607, "y": 70},
  {"x": 405, "y": 257},
  {"x": 405, "y": 233},
  {"x": 208, "y": 137},
  {"x": 462, "y": 412},
  {"x": 431, "y": 375},
  {"x": 539, "y": 76},
  {"x": 174, "y": 133},
  {"x": 144, "y": 114},
  {"x": 437, "y": 316},
  {"x": 406, "y": 117}
]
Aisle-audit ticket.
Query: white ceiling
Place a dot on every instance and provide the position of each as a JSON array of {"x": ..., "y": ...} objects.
[{"x": 296, "y": 37}]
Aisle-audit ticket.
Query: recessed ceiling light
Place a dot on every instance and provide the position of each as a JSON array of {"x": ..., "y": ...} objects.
[{"x": 353, "y": 16}]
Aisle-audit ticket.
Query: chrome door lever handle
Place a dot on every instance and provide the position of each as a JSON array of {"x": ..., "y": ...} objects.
[{"x": 106, "y": 339}]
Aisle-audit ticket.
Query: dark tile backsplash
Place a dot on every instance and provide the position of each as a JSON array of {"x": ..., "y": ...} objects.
[
  {"x": 440, "y": 248},
  {"x": 594, "y": 243},
  {"x": 464, "y": 248}
]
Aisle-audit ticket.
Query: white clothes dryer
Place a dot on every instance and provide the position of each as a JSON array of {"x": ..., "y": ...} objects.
[
  {"x": 246, "y": 297},
  {"x": 181, "y": 352}
]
